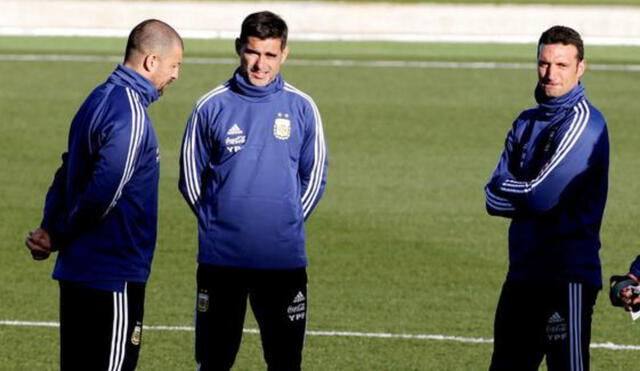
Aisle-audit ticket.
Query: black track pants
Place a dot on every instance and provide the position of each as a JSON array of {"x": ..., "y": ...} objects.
[
  {"x": 534, "y": 320},
  {"x": 278, "y": 299},
  {"x": 99, "y": 329}
]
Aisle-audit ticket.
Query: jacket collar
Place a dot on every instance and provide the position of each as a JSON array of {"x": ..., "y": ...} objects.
[
  {"x": 240, "y": 85},
  {"x": 125, "y": 76},
  {"x": 564, "y": 102}
]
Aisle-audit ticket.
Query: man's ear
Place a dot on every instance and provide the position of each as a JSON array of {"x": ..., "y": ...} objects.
[
  {"x": 582, "y": 66},
  {"x": 238, "y": 46},
  {"x": 150, "y": 62},
  {"x": 285, "y": 54}
]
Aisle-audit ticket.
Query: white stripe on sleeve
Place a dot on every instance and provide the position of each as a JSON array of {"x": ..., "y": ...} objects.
[
  {"x": 137, "y": 129},
  {"x": 319, "y": 150},
  {"x": 191, "y": 176},
  {"x": 579, "y": 123},
  {"x": 498, "y": 203}
]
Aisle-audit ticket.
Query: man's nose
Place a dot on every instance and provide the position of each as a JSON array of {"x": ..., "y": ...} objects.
[
  {"x": 260, "y": 63},
  {"x": 551, "y": 73}
]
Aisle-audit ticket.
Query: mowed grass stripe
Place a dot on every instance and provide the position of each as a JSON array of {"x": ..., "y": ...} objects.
[
  {"x": 316, "y": 63},
  {"x": 321, "y": 50},
  {"x": 377, "y": 335}
]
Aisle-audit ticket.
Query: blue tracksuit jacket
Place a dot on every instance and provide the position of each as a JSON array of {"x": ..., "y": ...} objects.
[
  {"x": 551, "y": 181},
  {"x": 253, "y": 167},
  {"x": 101, "y": 209}
]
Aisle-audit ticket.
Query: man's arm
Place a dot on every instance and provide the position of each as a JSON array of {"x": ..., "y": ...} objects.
[
  {"x": 194, "y": 157},
  {"x": 634, "y": 269},
  {"x": 572, "y": 157},
  {"x": 313, "y": 161},
  {"x": 55, "y": 215},
  {"x": 495, "y": 203},
  {"x": 116, "y": 154}
]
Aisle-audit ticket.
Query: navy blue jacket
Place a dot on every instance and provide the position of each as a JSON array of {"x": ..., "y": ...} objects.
[
  {"x": 253, "y": 167},
  {"x": 635, "y": 267},
  {"x": 551, "y": 181},
  {"x": 101, "y": 209}
]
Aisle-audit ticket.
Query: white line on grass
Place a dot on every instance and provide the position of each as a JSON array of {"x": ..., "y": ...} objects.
[
  {"x": 378, "y": 335},
  {"x": 318, "y": 63}
]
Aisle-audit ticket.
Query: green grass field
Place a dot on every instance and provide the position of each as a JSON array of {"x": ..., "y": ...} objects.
[{"x": 400, "y": 243}]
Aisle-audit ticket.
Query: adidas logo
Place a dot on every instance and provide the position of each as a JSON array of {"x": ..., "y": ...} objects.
[
  {"x": 235, "y": 130},
  {"x": 556, "y": 318},
  {"x": 299, "y": 298}
]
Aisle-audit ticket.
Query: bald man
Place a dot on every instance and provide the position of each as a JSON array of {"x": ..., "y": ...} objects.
[{"x": 100, "y": 213}]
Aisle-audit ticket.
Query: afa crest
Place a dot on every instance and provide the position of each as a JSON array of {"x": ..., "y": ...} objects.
[
  {"x": 282, "y": 127},
  {"x": 203, "y": 301},
  {"x": 136, "y": 335}
]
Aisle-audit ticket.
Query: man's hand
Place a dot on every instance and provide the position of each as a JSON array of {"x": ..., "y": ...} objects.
[
  {"x": 39, "y": 244},
  {"x": 629, "y": 296}
]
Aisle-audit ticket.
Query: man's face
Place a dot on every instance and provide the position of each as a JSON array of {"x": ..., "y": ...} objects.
[
  {"x": 260, "y": 60},
  {"x": 167, "y": 68},
  {"x": 559, "y": 70}
]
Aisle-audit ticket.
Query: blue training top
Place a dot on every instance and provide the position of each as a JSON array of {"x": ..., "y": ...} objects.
[
  {"x": 102, "y": 207},
  {"x": 551, "y": 181},
  {"x": 253, "y": 167}
]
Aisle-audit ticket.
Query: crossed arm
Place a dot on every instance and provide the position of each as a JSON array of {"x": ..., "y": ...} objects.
[{"x": 511, "y": 194}]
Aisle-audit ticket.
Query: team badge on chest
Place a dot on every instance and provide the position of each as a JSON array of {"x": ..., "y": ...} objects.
[{"x": 282, "y": 126}]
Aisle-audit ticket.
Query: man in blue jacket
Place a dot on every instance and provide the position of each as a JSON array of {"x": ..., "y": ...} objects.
[
  {"x": 101, "y": 210},
  {"x": 253, "y": 167},
  {"x": 551, "y": 181}
]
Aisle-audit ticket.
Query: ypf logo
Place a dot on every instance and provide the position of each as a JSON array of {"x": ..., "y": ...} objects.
[
  {"x": 297, "y": 310},
  {"x": 282, "y": 127},
  {"x": 556, "y": 328}
]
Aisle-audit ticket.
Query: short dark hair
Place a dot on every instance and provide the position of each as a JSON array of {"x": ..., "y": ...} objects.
[
  {"x": 562, "y": 35},
  {"x": 149, "y": 35},
  {"x": 264, "y": 25}
]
